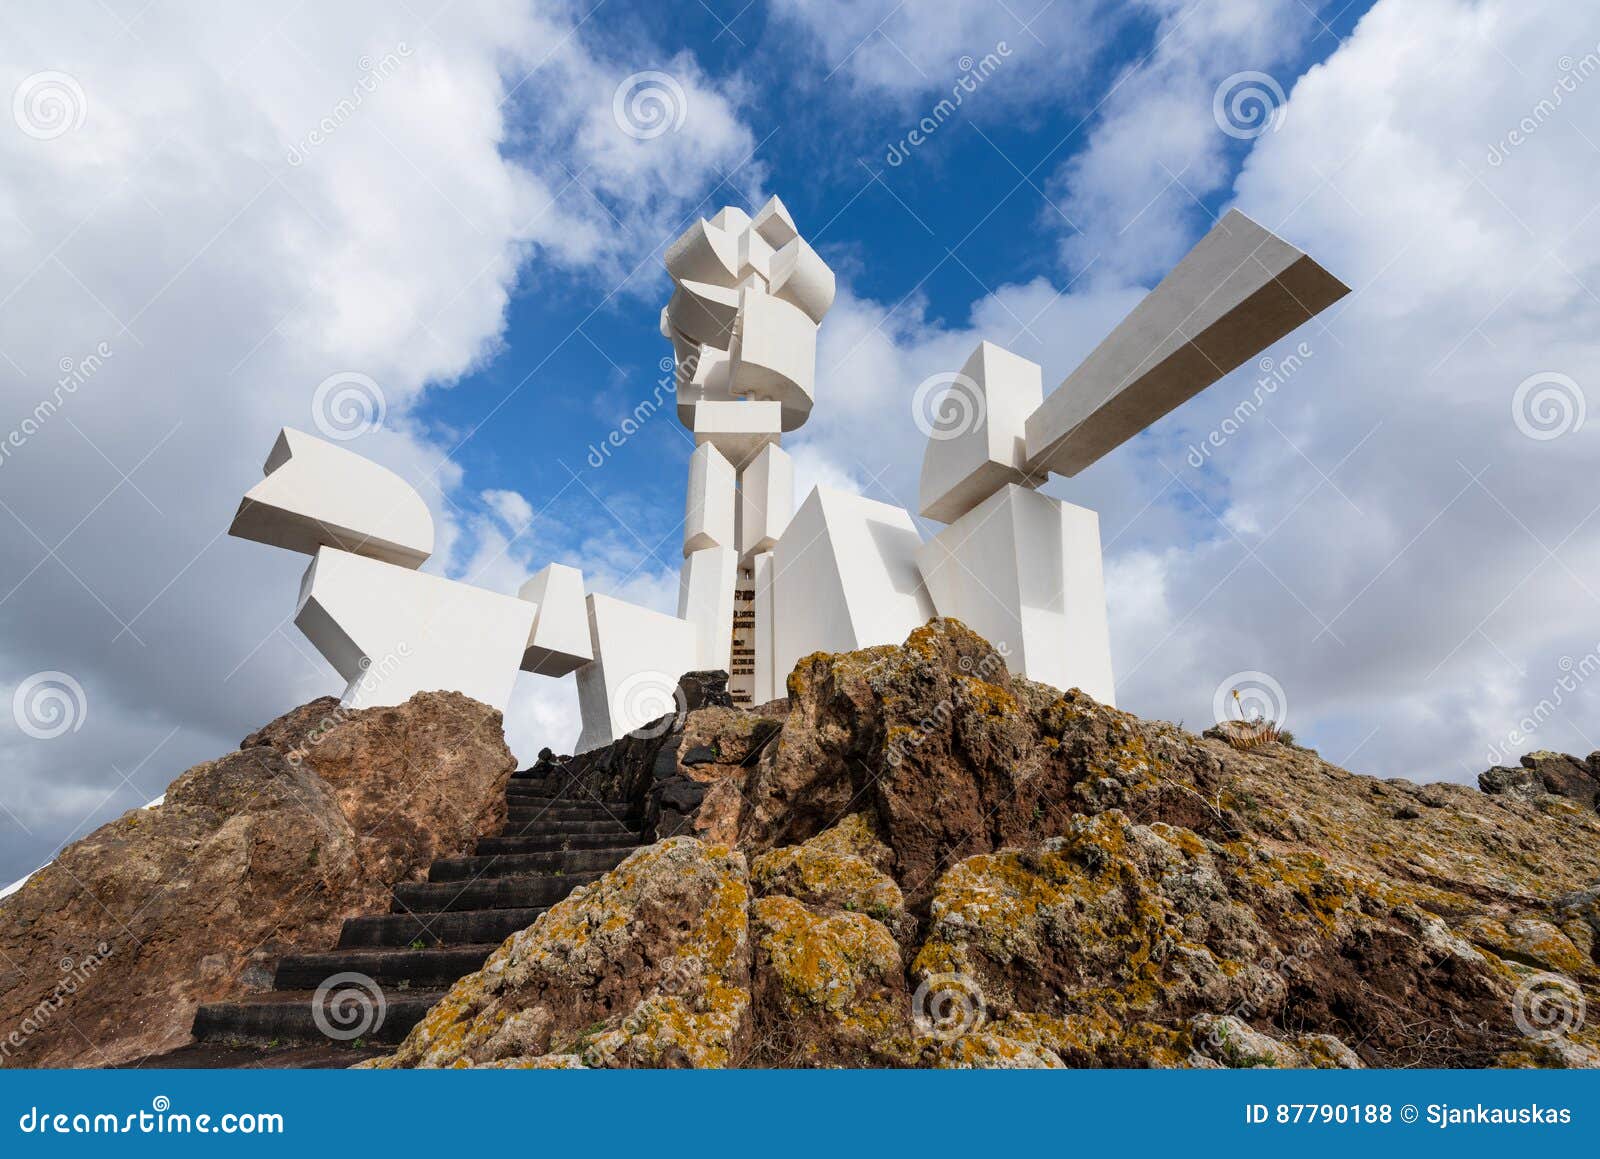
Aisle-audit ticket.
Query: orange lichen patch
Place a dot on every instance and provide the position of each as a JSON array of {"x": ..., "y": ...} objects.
[
  {"x": 1529, "y": 941},
  {"x": 829, "y": 871},
  {"x": 839, "y": 963},
  {"x": 983, "y": 1050}
]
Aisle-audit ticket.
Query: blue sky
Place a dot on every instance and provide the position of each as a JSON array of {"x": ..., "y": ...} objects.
[{"x": 1398, "y": 536}]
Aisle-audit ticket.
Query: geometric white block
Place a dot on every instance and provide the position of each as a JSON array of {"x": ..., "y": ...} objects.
[
  {"x": 845, "y": 577},
  {"x": 768, "y": 684},
  {"x": 800, "y": 276},
  {"x": 1239, "y": 290},
  {"x": 984, "y": 448},
  {"x": 316, "y": 494},
  {"x": 755, "y": 257},
  {"x": 704, "y": 312},
  {"x": 766, "y": 500},
  {"x": 1023, "y": 571},
  {"x": 559, "y": 642},
  {"x": 772, "y": 221},
  {"x": 391, "y": 632},
  {"x": 731, "y": 219},
  {"x": 708, "y": 518},
  {"x": 705, "y": 599},
  {"x": 774, "y": 352},
  {"x": 639, "y": 656},
  {"x": 704, "y": 253},
  {"x": 737, "y": 429},
  {"x": 702, "y": 375}
]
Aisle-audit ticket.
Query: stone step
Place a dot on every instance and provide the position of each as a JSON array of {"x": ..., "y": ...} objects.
[
  {"x": 561, "y": 807},
  {"x": 287, "y": 1016},
  {"x": 550, "y": 842},
  {"x": 425, "y": 969},
  {"x": 523, "y": 864},
  {"x": 520, "y": 824},
  {"x": 465, "y": 927},
  {"x": 487, "y": 893}
]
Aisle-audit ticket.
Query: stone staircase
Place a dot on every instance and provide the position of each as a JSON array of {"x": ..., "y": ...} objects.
[{"x": 436, "y": 932}]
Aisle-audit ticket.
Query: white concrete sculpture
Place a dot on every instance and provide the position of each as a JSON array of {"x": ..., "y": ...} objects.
[
  {"x": 559, "y": 642},
  {"x": 1023, "y": 571},
  {"x": 995, "y": 393},
  {"x": 633, "y": 680},
  {"x": 388, "y": 630},
  {"x": 391, "y": 633},
  {"x": 1239, "y": 290},
  {"x": 845, "y": 576},
  {"x": 763, "y": 584},
  {"x": 705, "y": 600},
  {"x": 316, "y": 494}
]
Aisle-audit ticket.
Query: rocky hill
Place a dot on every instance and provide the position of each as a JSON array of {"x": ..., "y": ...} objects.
[{"x": 920, "y": 860}]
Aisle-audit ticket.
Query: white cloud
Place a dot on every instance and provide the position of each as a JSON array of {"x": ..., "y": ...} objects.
[{"x": 257, "y": 199}]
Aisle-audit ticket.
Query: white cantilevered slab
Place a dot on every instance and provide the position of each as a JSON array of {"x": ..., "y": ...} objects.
[
  {"x": 316, "y": 494},
  {"x": 844, "y": 576},
  {"x": 738, "y": 429},
  {"x": 391, "y": 633},
  {"x": 705, "y": 599},
  {"x": 1239, "y": 290},
  {"x": 708, "y": 517},
  {"x": 633, "y": 681},
  {"x": 1023, "y": 571},
  {"x": 766, "y": 500},
  {"x": 559, "y": 640},
  {"x": 992, "y": 398},
  {"x": 704, "y": 253}
]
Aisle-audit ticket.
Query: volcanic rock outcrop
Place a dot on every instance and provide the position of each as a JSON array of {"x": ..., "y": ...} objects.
[
  {"x": 106, "y": 953},
  {"x": 920, "y": 860}
]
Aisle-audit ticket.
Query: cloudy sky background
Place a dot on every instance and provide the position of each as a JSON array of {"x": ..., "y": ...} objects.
[{"x": 1404, "y": 537}]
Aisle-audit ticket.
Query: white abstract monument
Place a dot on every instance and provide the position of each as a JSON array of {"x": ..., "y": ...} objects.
[{"x": 764, "y": 584}]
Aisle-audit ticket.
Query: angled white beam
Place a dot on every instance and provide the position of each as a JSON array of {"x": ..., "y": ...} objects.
[
  {"x": 1239, "y": 290},
  {"x": 708, "y": 517}
]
